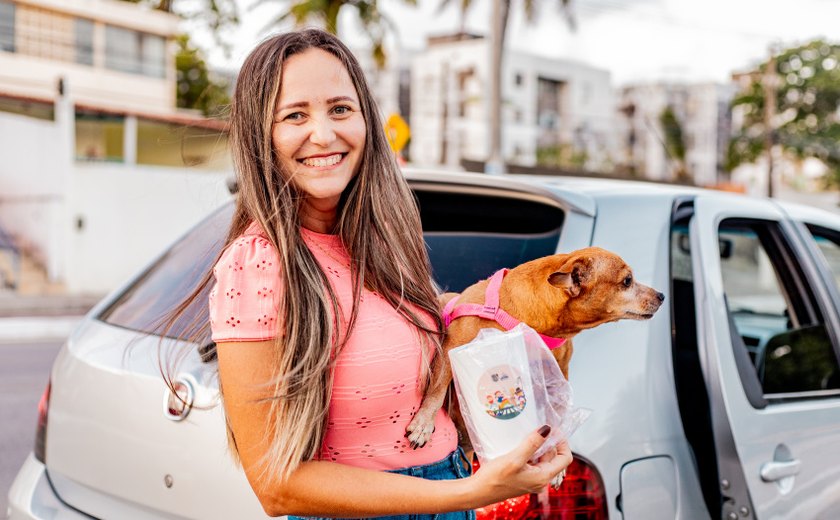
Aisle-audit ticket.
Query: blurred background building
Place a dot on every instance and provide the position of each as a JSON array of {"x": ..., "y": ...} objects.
[
  {"x": 675, "y": 132},
  {"x": 555, "y": 112},
  {"x": 103, "y": 166},
  {"x": 100, "y": 168}
]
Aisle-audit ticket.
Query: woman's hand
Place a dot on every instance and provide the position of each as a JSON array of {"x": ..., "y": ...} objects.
[{"x": 514, "y": 474}]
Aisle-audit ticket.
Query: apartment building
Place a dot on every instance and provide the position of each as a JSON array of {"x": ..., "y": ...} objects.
[
  {"x": 100, "y": 169},
  {"x": 701, "y": 113},
  {"x": 550, "y": 107}
]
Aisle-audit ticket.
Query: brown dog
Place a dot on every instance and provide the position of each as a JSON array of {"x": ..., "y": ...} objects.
[{"x": 558, "y": 296}]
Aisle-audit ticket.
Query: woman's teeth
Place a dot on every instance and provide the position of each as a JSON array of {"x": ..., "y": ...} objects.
[{"x": 322, "y": 161}]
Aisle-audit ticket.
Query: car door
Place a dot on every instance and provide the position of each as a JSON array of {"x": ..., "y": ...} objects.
[{"x": 767, "y": 333}]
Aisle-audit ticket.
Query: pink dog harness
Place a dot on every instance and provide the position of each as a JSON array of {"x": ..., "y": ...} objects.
[{"x": 491, "y": 310}]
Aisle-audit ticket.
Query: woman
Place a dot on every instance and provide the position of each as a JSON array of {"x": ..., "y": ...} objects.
[{"x": 324, "y": 313}]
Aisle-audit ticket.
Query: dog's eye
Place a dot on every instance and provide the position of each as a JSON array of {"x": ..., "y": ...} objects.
[{"x": 628, "y": 281}]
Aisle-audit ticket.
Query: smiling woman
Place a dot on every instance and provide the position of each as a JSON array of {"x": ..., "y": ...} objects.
[
  {"x": 325, "y": 258},
  {"x": 319, "y": 132}
]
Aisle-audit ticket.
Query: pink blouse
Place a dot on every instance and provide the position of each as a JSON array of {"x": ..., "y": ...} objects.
[{"x": 376, "y": 388}]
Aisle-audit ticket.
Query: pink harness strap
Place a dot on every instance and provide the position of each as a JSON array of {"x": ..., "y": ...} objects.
[{"x": 491, "y": 310}]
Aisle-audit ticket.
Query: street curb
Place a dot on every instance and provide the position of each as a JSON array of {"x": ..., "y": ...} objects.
[
  {"x": 29, "y": 328},
  {"x": 17, "y": 306}
]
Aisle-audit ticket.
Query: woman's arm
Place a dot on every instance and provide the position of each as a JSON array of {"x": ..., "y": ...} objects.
[{"x": 320, "y": 488}]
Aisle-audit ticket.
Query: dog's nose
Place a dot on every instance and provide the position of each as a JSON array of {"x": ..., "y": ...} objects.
[{"x": 660, "y": 296}]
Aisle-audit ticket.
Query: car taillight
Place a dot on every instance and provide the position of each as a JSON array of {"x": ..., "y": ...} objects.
[
  {"x": 580, "y": 497},
  {"x": 41, "y": 433}
]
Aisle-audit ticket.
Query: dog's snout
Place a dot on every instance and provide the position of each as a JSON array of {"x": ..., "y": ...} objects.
[{"x": 660, "y": 296}]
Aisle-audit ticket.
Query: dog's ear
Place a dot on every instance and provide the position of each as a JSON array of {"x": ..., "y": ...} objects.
[{"x": 571, "y": 275}]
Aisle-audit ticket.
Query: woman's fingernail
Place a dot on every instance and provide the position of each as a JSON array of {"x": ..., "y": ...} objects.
[{"x": 544, "y": 430}]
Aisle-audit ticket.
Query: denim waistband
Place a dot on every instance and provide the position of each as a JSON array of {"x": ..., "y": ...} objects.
[{"x": 455, "y": 461}]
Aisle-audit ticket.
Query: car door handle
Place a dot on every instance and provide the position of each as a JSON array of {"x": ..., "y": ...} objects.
[{"x": 772, "y": 471}]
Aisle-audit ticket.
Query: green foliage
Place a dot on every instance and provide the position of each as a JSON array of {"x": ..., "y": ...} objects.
[
  {"x": 195, "y": 89},
  {"x": 374, "y": 23},
  {"x": 674, "y": 141},
  {"x": 217, "y": 15},
  {"x": 563, "y": 156},
  {"x": 807, "y": 100}
]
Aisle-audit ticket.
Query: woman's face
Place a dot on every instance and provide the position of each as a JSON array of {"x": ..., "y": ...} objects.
[{"x": 319, "y": 130}]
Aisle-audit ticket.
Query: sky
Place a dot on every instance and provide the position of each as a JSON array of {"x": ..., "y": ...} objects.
[{"x": 636, "y": 40}]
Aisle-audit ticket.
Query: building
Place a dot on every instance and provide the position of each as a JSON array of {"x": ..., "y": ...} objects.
[
  {"x": 552, "y": 109},
  {"x": 703, "y": 117},
  {"x": 99, "y": 170}
]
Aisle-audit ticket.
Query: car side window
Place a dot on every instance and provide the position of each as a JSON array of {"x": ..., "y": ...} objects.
[
  {"x": 144, "y": 305},
  {"x": 828, "y": 242},
  {"x": 774, "y": 311}
]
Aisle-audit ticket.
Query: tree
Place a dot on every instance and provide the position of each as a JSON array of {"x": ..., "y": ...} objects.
[
  {"x": 674, "y": 142},
  {"x": 196, "y": 90},
  {"x": 807, "y": 120},
  {"x": 216, "y": 14},
  {"x": 498, "y": 28},
  {"x": 375, "y": 24}
]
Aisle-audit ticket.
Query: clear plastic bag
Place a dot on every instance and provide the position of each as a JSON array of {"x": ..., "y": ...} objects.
[{"x": 508, "y": 385}]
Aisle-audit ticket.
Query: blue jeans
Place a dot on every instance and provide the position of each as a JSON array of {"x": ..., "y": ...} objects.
[{"x": 455, "y": 465}]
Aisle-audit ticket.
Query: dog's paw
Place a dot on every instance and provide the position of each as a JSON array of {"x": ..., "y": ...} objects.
[
  {"x": 419, "y": 431},
  {"x": 558, "y": 480}
]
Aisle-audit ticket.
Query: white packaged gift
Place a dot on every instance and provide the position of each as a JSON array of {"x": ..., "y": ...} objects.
[{"x": 508, "y": 385}]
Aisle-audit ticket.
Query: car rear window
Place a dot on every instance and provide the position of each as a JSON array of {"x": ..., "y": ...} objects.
[
  {"x": 472, "y": 235},
  {"x": 162, "y": 287},
  {"x": 469, "y": 236}
]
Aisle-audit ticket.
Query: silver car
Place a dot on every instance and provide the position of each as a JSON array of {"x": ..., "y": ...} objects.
[{"x": 725, "y": 405}]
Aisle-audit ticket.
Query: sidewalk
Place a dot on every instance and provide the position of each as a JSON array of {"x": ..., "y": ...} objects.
[{"x": 47, "y": 318}]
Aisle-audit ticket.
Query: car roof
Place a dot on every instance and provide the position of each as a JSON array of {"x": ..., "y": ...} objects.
[
  {"x": 577, "y": 193},
  {"x": 582, "y": 193}
]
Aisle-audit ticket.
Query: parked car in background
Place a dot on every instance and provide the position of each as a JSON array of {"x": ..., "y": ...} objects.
[{"x": 725, "y": 405}]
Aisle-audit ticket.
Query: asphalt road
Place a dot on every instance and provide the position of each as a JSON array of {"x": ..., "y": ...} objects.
[{"x": 24, "y": 370}]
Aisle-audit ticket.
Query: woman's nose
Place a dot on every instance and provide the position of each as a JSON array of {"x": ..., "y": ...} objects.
[{"x": 322, "y": 132}]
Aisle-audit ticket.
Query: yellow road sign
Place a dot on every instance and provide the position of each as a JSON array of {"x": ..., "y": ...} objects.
[{"x": 397, "y": 131}]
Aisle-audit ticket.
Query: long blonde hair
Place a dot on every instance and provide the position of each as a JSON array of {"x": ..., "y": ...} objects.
[{"x": 379, "y": 225}]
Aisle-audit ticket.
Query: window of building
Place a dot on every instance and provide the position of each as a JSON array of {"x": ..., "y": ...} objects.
[
  {"x": 27, "y": 108},
  {"x": 519, "y": 79},
  {"x": 44, "y": 34},
  {"x": 7, "y": 26},
  {"x": 168, "y": 144},
  {"x": 99, "y": 137},
  {"x": 84, "y": 41},
  {"x": 465, "y": 80},
  {"x": 122, "y": 49},
  {"x": 135, "y": 52},
  {"x": 153, "y": 55}
]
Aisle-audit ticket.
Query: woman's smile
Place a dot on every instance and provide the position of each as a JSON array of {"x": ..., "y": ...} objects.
[{"x": 323, "y": 161}]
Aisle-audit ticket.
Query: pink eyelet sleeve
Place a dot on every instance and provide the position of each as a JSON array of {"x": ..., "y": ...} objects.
[{"x": 246, "y": 298}]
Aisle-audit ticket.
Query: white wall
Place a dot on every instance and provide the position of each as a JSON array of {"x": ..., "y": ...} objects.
[
  {"x": 433, "y": 85},
  {"x": 128, "y": 215},
  {"x": 32, "y": 180},
  {"x": 29, "y": 76}
]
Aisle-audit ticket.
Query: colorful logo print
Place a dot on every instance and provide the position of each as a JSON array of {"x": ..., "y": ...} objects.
[{"x": 500, "y": 389}]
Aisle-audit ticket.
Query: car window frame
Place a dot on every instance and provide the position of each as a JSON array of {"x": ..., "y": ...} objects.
[{"x": 813, "y": 272}]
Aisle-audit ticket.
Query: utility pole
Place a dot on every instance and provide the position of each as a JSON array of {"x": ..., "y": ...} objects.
[
  {"x": 495, "y": 160},
  {"x": 770, "y": 82}
]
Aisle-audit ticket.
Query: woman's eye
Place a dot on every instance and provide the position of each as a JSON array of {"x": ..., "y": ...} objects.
[
  {"x": 295, "y": 116},
  {"x": 341, "y": 110},
  {"x": 628, "y": 281}
]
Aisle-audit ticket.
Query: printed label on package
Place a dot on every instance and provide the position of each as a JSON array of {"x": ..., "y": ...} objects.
[{"x": 500, "y": 389}]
